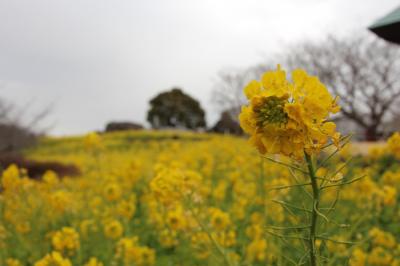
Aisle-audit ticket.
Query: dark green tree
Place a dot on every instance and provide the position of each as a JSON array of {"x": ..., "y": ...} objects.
[{"x": 175, "y": 109}]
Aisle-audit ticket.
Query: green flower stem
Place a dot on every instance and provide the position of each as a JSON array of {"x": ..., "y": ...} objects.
[{"x": 315, "y": 211}]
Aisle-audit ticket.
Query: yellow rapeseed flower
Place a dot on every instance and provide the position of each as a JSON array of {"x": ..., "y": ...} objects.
[
  {"x": 92, "y": 141},
  {"x": 66, "y": 240},
  {"x": 225, "y": 238},
  {"x": 393, "y": 145},
  {"x": 168, "y": 238},
  {"x": 13, "y": 262},
  {"x": 358, "y": 258},
  {"x": 389, "y": 195},
  {"x": 87, "y": 227},
  {"x": 50, "y": 178},
  {"x": 129, "y": 250},
  {"x": 175, "y": 219},
  {"x": 94, "y": 262},
  {"x": 219, "y": 220},
  {"x": 112, "y": 191},
  {"x": 10, "y": 178},
  {"x": 113, "y": 229},
  {"x": 23, "y": 227},
  {"x": 125, "y": 243},
  {"x": 381, "y": 238},
  {"x": 171, "y": 183},
  {"x": 126, "y": 208},
  {"x": 140, "y": 256},
  {"x": 379, "y": 256},
  {"x": 53, "y": 259},
  {"x": 288, "y": 118},
  {"x": 60, "y": 200},
  {"x": 3, "y": 236},
  {"x": 201, "y": 244},
  {"x": 256, "y": 250}
]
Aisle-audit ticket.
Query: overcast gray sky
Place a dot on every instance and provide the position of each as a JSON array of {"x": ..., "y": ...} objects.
[{"x": 102, "y": 60}]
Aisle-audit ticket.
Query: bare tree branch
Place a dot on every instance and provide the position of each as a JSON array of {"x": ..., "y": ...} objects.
[{"x": 361, "y": 69}]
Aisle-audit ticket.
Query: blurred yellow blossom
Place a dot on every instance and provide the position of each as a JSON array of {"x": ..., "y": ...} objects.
[
  {"x": 93, "y": 141},
  {"x": 53, "y": 259},
  {"x": 13, "y": 262},
  {"x": 94, "y": 262},
  {"x": 393, "y": 145},
  {"x": 66, "y": 240},
  {"x": 113, "y": 229}
]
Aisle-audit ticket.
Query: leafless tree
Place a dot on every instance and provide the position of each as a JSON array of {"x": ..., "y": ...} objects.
[
  {"x": 362, "y": 70},
  {"x": 227, "y": 93},
  {"x": 19, "y": 127}
]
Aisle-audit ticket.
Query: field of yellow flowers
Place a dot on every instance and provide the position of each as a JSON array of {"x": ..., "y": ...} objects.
[
  {"x": 302, "y": 197},
  {"x": 170, "y": 198}
]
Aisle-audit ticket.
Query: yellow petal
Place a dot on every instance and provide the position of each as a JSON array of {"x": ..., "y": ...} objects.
[{"x": 252, "y": 89}]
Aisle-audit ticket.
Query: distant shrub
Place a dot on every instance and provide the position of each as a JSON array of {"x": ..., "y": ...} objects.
[
  {"x": 121, "y": 126},
  {"x": 227, "y": 125}
]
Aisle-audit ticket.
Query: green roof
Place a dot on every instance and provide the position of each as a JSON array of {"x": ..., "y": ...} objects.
[{"x": 392, "y": 17}]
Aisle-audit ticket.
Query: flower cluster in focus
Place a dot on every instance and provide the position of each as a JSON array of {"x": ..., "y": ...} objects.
[{"x": 288, "y": 118}]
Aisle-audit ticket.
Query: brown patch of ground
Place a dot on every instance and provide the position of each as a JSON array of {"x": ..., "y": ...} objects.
[{"x": 36, "y": 169}]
